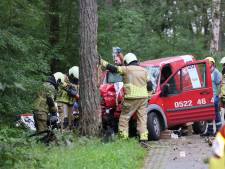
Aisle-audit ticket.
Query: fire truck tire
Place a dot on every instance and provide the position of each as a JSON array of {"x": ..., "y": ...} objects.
[
  {"x": 154, "y": 126},
  {"x": 199, "y": 127}
]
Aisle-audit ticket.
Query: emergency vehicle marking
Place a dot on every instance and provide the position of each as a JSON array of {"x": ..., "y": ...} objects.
[
  {"x": 191, "y": 108},
  {"x": 212, "y": 100},
  {"x": 186, "y": 103},
  {"x": 201, "y": 101},
  {"x": 192, "y": 71}
]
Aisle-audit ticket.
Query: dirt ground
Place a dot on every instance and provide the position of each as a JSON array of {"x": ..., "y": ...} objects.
[{"x": 188, "y": 152}]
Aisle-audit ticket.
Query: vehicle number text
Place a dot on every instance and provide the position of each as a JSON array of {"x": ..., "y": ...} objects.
[{"x": 185, "y": 103}]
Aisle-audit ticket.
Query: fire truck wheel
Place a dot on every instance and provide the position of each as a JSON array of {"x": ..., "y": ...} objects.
[
  {"x": 199, "y": 127},
  {"x": 153, "y": 125}
]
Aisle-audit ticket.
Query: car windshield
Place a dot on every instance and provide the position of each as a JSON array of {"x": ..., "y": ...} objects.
[
  {"x": 153, "y": 74},
  {"x": 114, "y": 77}
]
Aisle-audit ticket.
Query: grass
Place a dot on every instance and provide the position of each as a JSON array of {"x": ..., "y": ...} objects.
[{"x": 83, "y": 153}]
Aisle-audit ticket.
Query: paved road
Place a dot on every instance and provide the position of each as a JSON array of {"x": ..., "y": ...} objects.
[{"x": 187, "y": 152}]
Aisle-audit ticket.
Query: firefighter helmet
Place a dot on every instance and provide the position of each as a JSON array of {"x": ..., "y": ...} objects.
[
  {"x": 222, "y": 60},
  {"x": 59, "y": 77},
  {"x": 129, "y": 57},
  {"x": 211, "y": 59},
  {"x": 74, "y": 71}
]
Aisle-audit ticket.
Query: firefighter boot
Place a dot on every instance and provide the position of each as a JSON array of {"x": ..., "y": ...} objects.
[{"x": 144, "y": 140}]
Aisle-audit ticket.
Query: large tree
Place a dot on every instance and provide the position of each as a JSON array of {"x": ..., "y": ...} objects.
[
  {"x": 216, "y": 27},
  {"x": 89, "y": 93}
]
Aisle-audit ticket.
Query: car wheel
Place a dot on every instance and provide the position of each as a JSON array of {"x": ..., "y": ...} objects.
[
  {"x": 199, "y": 127},
  {"x": 154, "y": 127}
]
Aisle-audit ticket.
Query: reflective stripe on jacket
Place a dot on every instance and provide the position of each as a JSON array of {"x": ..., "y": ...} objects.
[
  {"x": 135, "y": 81},
  {"x": 63, "y": 96}
]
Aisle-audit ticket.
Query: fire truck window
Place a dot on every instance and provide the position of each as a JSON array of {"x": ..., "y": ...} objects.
[
  {"x": 153, "y": 75},
  {"x": 174, "y": 84},
  {"x": 114, "y": 77},
  {"x": 166, "y": 72},
  {"x": 193, "y": 76}
]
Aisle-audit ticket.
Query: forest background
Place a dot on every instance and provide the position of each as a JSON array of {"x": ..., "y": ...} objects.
[{"x": 39, "y": 37}]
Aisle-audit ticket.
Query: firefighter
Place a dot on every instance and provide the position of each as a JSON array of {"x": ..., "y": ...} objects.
[
  {"x": 65, "y": 100},
  {"x": 45, "y": 102},
  {"x": 223, "y": 62},
  {"x": 74, "y": 94},
  {"x": 222, "y": 90},
  {"x": 216, "y": 80},
  {"x": 136, "y": 95},
  {"x": 222, "y": 85},
  {"x": 62, "y": 100},
  {"x": 218, "y": 160},
  {"x": 74, "y": 75}
]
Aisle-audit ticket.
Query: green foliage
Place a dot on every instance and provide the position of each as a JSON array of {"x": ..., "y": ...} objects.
[
  {"x": 93, "y": 154},
  {"x": 14, "y": 149},
  {"x": 19, "y": 152},
  {"x": 151, "y": 29},
  {"x": 154, "y": 29},
  {"x": 23, "y": 54}
]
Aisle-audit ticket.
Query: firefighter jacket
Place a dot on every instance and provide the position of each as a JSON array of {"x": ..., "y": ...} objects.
[
  {"x": 219, "y": 142},
  {"x": 218, "y": 160},
  {"x": 135, "y": 80},
  {"x": 63, "y": 94},
  {"x": 47, "y": 92}
]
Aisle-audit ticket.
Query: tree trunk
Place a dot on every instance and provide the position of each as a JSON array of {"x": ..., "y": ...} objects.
[
  {"x": 53, "y": 30},
  {"x": 205, "y": 24},
  {"x": 216, "y": 23},
  {"x": 221, "y": 40},
  {"x": 109, "y": 21},
  {"x": 90, "y": 121}
]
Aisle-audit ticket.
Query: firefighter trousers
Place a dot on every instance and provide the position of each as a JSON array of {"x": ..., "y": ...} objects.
[
  {"x": 130, "y": 106},
  {"x": 41, "y": 118},
  {"x": 65, "y": 110},
  {"x": 218, "y": 122}
]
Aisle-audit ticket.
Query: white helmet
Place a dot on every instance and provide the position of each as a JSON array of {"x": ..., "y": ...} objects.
[
  {"x": 222, "y": 60},
  {"x": 74, "y": 71},
  {"x": 59, "y": 76},
  {"x": 129, "y": 57}
]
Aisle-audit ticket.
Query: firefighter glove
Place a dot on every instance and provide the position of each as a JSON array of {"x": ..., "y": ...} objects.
[{"x": 104, "y": 63}]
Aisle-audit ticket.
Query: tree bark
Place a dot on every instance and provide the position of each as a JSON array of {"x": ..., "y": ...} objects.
[
  {"x": 221, "y": 40},
  {"x": 109, "y": 4},
  {"x": 216, "y": 25},
  {"x": 90, "y": 121},
  {"x": 53, "y": 30}
]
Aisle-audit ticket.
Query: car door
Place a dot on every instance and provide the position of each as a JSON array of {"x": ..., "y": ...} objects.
[{"x": 189, "y": 94}]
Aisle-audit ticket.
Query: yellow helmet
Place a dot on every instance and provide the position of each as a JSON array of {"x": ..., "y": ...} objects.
[
  {"x": 211, "y": 59},
  {"x": 59, "y": 77},
  {"x": 222, "y": 60},
  {"x": 74, "y": 71}
]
